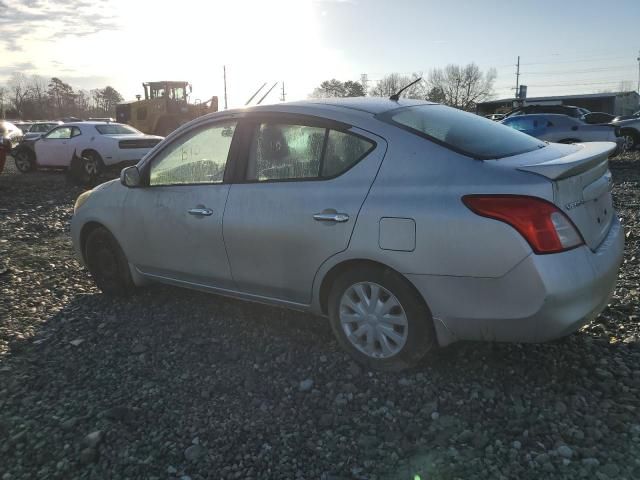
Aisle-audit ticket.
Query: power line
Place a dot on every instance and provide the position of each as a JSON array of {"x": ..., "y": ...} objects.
[{"x": 571, "y": 72}]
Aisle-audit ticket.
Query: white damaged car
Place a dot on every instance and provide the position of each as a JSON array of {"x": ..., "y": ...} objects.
[{"x": 100, "y": 144}]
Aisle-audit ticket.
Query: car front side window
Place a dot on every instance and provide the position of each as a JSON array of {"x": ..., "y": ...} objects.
[
  {"x": 61, "y": 133},
  {"x": 198, "y": 157}
]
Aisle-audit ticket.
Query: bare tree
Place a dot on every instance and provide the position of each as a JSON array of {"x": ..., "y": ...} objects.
[
  {"x": 393, "y": 82},
  {"x": 18, "y": 92},
  {"x": 462, "y": 87}
]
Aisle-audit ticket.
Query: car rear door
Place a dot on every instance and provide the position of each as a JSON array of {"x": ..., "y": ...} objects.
[{"x": 295, "y": 201}]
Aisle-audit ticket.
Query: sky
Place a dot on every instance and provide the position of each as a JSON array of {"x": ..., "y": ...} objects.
[{"x": 565, "y": 47}]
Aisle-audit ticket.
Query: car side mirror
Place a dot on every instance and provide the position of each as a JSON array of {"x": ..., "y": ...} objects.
[{"x": 130, "y": 177}]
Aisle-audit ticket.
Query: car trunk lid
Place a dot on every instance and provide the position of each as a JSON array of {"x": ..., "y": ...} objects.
[{"x": 581, "y": 185}]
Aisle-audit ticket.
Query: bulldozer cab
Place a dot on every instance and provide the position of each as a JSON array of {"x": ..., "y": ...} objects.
[
  {"x": 171, "y": 90},
  {"x": 164, "y": 108}
]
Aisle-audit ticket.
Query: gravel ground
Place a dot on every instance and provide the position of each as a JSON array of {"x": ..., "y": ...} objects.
[{"x": 178, "y": 384}]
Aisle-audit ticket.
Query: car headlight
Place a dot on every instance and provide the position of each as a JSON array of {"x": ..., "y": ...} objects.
[{"x": 81, "y": 199}]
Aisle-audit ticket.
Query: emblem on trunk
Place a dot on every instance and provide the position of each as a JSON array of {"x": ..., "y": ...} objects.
[{"x": 572, "y": 205}]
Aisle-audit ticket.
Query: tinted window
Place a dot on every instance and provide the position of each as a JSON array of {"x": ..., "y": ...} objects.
[
  {"x": 116, "y": 129},
  {"x": 343, "y": 151},
  {"x": 463, "y": 132},
  {"x": 281, "y": 151},
  {"x": 197, "y": 157}
]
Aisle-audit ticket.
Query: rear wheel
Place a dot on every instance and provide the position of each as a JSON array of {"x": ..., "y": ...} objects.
[
  {"x": 25, "y": 160},
  {"x": 630, "y": 140},
  {"x": 107, "y": 263},
  {"x": 92, "y": 163},
  {"x": 379, "y": 318}
]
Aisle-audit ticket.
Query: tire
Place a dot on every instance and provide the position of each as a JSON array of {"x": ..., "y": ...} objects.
[
  {"x": 630, "y": 140},
  {"x": 25, "y": 160},
  {"x": 92, "y": 164},
  {"x": 408, "y": 338},
  {"x": 107, "y": 263}
]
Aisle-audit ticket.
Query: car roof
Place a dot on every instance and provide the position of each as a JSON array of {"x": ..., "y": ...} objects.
[
  {"x": 80, "y": 124},
  {"x": 372, "y": 105}
]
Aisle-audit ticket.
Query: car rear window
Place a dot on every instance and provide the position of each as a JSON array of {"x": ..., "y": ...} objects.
[
  {"x": 463, "y": 132},
  {"x": 116, "y": 129}
]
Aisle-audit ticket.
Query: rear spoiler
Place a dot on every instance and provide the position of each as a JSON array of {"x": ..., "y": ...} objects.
[{"x": 585, "y": 158}]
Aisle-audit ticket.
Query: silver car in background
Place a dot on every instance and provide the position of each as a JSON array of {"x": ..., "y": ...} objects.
[
  {"x": 408, "y": 224},
  {"x": 564, "y": 129}
]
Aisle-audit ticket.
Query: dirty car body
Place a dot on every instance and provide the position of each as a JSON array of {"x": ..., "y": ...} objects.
[{"x": 432, "y": 196}]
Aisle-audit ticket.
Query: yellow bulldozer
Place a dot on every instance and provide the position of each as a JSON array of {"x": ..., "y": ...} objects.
[{"x": 164, "y": 108}]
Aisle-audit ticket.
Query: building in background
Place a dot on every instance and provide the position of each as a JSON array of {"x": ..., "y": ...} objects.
[{"x": 616, "y": 103}]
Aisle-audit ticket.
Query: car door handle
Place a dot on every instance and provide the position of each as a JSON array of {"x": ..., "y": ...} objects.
[
  {"x": 201, "y": 212},
  {"x": 331, "y": 217}
]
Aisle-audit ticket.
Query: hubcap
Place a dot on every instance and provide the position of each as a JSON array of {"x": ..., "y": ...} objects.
[
  {"x": 91, "y": 165},
  {"x": 373, "y": 320},
  {"x": 628, "y": 142},
  {"x": 22, "y": 162}
]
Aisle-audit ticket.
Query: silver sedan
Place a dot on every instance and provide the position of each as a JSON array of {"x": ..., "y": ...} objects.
[{"x": 408, "y": 224}]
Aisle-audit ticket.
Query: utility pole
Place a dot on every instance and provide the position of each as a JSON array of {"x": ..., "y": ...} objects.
[
  {"x": 283, "y": 98},
  {"x": 638, "y": 70},
  {"x": 517, "y": 76},
  {"x": 224, "y": 72},
  {"x": 364, "y": 79}
]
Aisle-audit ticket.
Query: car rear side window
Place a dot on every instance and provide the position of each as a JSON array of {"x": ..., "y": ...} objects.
[
  {"x": 280, "y": 151},
  {"x": 463, "y": 132},
  {"x": 116, "y": 129},
  {"x": 343, "y": 151}
]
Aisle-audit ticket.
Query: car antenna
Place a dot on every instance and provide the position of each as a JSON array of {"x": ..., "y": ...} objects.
[{"x": 396, "y": 96}]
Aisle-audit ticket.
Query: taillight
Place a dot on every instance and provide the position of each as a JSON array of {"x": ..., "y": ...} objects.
[{"x": 541, "y": 223}]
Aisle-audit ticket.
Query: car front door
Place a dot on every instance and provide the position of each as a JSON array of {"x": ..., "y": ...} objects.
[
  {"x": 55, "y": 149},
  {"x": 296, "y": 201},
  {"x": 173, "y": 225}
]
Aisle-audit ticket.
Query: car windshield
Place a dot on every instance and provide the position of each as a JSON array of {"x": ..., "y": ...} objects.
[
  {"x": 463, "y": 132},
  {"x": 116, "y": 129}
]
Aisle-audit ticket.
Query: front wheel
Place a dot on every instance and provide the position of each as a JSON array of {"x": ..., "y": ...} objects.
[
  {"x": 107, "y": 263},
  {"x": 379, "y": 318},
  {"x": 25, "y": 160}
]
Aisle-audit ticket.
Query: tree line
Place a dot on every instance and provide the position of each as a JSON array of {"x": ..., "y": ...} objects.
[
  {"x": 458, "y": 86},
  {"x": 34, "y": 98}
]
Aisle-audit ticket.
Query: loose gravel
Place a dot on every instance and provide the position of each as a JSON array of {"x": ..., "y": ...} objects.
[{"x": 178, "y": 384}]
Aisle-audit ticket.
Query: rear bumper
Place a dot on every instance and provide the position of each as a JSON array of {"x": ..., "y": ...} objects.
[{"x": 543, "y": 298}]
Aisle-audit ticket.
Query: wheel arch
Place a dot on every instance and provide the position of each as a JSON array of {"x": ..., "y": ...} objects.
[
  {"x": 91, "y": 150},
  {"x": 631, "y": 131},
  {"x": 334, "y": 272}
]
